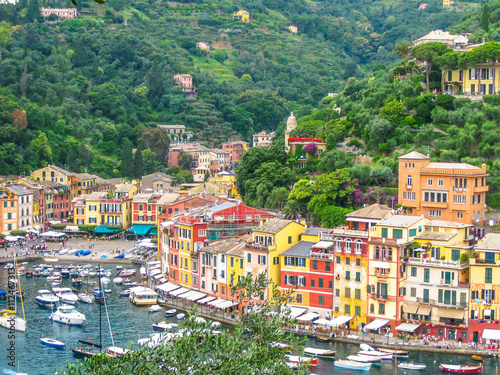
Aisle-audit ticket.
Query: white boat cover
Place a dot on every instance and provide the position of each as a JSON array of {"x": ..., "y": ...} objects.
[
  {"x": 307, "y": 317},
  {"x": 340, "y": 320},
  {"x": 207, "y": 299},
  {"x": 491, "y": 334},
  {"x": 376, "y": 324},
  {"x": 168, "y": 287},
  {"x": 179, "y": 291},
  {"x": 407, "y": 327}
]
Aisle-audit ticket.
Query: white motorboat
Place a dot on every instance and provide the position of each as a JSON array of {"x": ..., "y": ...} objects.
[
  {"x": 92, "y": 273},
  {"x": 66, "y": 314},
  {"x": 164, "y": 326},
  {"x": 46, "y": 297},
  {"x": 154, "y": 308},
  {"x": 376, "y": 353},
  {"x": 315, "y": 352},
  {"x": 411, "y": 366},
  {"x": 301, "y": 360},
  {"x": 125, "y": 293},
  {"x": 119, "y": 267},
  {"x": 56, "y": 282},
  {"x": 63, "y": 252},
  {"x": 170, "y": 312},
  {"x": 8, "y": 266},
  {"x": 105, "y": 280},
  {"x": 363, "y": 358},
  {"x": 66, "y": 295},
  {"x": 86, "y": 297},
  {"x": 8, "y": 317},
  {"x": 65, "y": 272},
  {"x": 117, "y": 280},
  {"x": 143, "y": 270},
  {"x": 53, "y": 277},
  {"x": 127, "y": 272},
  {"x": 180, "y": 316},
  {"x": 107, "y": 290},
  {"x": 52, "y": 342},
  {"x": 71, "y": 252},
  {"x": 352, "y": 365}
]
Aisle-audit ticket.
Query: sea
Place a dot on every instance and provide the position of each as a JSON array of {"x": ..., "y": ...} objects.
[{"x": 130, "y": 323}]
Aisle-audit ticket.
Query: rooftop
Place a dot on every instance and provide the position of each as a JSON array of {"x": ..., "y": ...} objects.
[
  {"x": 85, "y": 176},
  {"x": 168, "y": 198},
  {"x": 374, "y": 211},
  {"x": 18, "y": 190},
  {"x": 414, "y": 155},
  {"x": 60, "y": 170},
  {"x": 124, "y": 188},
  {"x": 314, "y": 231},
  {"x": 443, "y": 165},
  {"x": 220, "y": 207},
  {"x": 490, "y": 242},
  {"x": 273, "y": 226},
  {"x": 300, "y": 249},
  {"x": 447, "y": 224},
  {"x": 233, "y": 245},
  {"x": 436, "y": 236},
  {"x": 401, "y": 221}
]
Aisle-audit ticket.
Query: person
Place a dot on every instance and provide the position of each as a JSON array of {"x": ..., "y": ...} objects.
[{"x": 372, "y": 340}]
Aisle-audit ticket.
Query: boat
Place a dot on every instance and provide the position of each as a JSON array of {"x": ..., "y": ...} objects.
[
  {"x": 55, "y": 283},
  {"x": 8, "y": 266},
  {"x": 86, "y": 252},
  {"x": 53, "y": 277},
  {"x": 459, "y": 369},
  {"x": 411, "y": 366},
  {"x": 127, "y": 272},
  {"x": 154, "y": 308},
  {"x": 376, "y": 353},
  {"x": 115, "y": 351},
  {"x": 141, "y": 296},
  {"x": 66, "y": 295},
  {"x": 125, "y": 293},
  {"x": 50, "y": 260},
  {"x": 66, "y": 314},
  {"x": 8, "y": 316},
  {"x": 352, "y": 365},
  {"x": 86, "y": 297},
  {"x": 364, "y": 358},
  {"x": 29, "y": 273},
  {"x": 117, "y": 280},
  {"x": 170, "y": 312},
  {"x": 77, "y": 281},
  {"x": 63, "y": 252},
  {"x": 107, "y": 290},
  {"x": 323, "y": 338},
  {"x": 301, "y": 360},
  {"x": 46, "y": 298},
  {"x": 279, "y": 345},
  {"x": 180, "y": 316},
  {"x": 52, "y": 342},
  {"x": 87, "y": 351},
  {"x": 164, "y": 326},
  {"x": 105, "y": 280},
  {"x": 119, "y": 256},
  {"x": 119, "y": 267},
  {"x": 477, "y": 358},
  {"x": 130, "y": 283},
  {"x": 397, "y": 352},
  {"x": 319, "y": 352}
]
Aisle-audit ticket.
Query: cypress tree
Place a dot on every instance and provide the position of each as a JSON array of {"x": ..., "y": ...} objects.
[
  {"x": 127, "y": 163},
  {"x": 485, "y": 18},
  {"x": 138, "y": 163}
]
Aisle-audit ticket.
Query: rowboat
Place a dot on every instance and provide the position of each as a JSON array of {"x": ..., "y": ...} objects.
[
  {"x": 459, "y": 369},
  {"x": 376, "y": 353},
  {"x": 52, "y": 342},
  {"x": 363, "y": 358},
  {"x": 352, "y": 365},
  {"x": 477, "y": 358},
  {"x": 323, "y": 338},
  {"x": 398, "y": 352},
  {"x": 319, "y": 352},
  {"x": 302, "y": 360},
  {"x": 411, "y": 366}
]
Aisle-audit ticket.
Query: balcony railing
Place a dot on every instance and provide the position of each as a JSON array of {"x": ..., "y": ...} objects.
[
  {"x": 317, "y": 255},
  {"x": 435, "y": 262},
  {"x": 380, "y": 296},
  {"x": 459, "y": 188},
  {"x": 434, "y": 302},
  {"x": 382, "y": 273},
  {"x": 388, "y": 241},
  {"x": 257, "y": 246},
  {"x": 334, "y": 233}
]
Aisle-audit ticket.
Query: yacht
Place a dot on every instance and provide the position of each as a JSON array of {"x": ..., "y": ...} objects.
[
  {"x": 6, "y": 321},
  {"x": 86, "y": 297},
  {"x": 66, "y": 295},
  {"x": 46, "y": 297},
  {"x": 66, "y": 314}
]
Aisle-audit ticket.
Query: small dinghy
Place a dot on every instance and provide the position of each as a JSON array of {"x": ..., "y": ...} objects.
[
  {"x": 107, "y": 290},
  {"x": 52, "y": 342},
  {"x": 319, "y": 352},
  {"x": 363, "y": 358},
  {"x": 154, "y": 308},
  {"x": 411, "y": 366},
  {"x": 301, "y": 360},
  {"x": 164, "y": 326},
  {"x": 459, "y": 369},
  {"x": 125, "y": 293},
  {"x": 376, "y": 353},
  {"x": 352, "y": 365},
  {"x": 180, "y": 316},
  {"x": 477, "y": 358},
  {"x": 398, "y": 352},
  {"x": 171, "y": 312},
  {"x": 117, "y": 280},
  {"x": 119, "y": 267}
]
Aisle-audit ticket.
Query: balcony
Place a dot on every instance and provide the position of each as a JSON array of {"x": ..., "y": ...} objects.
[
  {"x": 459, "y": 188},
  {"x": 434, "y": 302},
  {"x": 409, "y": 187},
  {"x": 260, "y": 247},
  {"x": 380, "y": 297},
  {"x": 339, "y": 232},
  {"x": 388, "y": 241},
  {"x": 383, "y": 273},
  {"x": 435, "y": 262},
  {"x": 318, "y": 255},
  {"x": 435, "y": 204}
]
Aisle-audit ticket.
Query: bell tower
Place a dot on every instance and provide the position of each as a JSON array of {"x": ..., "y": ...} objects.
[{"x": 291, "y": 123}]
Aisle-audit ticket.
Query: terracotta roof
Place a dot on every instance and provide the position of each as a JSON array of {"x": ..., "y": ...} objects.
[
  {"x": 273, "y": 226},
  {"x": 436, "y": 236},
  {"x": 414, "y": 155},
  {"x": 373, "y": 211},
  {"x": 442, "y": 165},
  {"x": 401, "y": 221}
]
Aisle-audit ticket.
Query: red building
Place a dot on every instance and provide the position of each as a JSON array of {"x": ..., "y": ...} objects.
[
  {"x": 62, "y": 203},
  {"x": 236, "y": 149}
]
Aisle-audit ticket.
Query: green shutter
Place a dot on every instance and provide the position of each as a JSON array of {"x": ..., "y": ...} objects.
[
  {"x": 413, "y": 232},
  {"x": 455, "y": 255},
  {"x": 385, "y": 233},
  {"x": 397, "y": 233},
  {"x": 427, "y": 273}
]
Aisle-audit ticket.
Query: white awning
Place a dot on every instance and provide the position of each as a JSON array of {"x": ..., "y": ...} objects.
[
  {"x": 195, "y": 295},
  {"x": 168, "y": 287},
  {"x": 340, "y": 320},
  {"x": 322, "y": 245},
  {"x": 179, "y": 291},
  {"x": 376, "y": 324},
  {"x": 71, "y": 228},
  {"x": 207, "y": 299},
  {"x": 154, "y": 272},
  {"x": 162, "y": 281},
  {"x": 217, "y": 302},
  {"x": 154, "y": 262},
  {"x": 226, "y": 304},
  {"x": 384, "y": 265},
  {"x": 491, "y": 334},
  {"x": 407, "y": 327},
  {"x": 322, "y": 322},
  {"x": 296, "y": 311},
  {"x": 307, "y": 317},
  {"x": 159, "y": 276}
]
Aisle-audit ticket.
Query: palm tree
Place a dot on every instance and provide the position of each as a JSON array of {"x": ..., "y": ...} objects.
[{"x": 402, "y": 48}]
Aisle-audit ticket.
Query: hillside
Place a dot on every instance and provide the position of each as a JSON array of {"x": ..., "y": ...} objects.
[{"x": 81, "y": 93}]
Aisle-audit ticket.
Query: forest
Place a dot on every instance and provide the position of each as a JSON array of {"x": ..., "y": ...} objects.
[{"x": 87, "y": 93}]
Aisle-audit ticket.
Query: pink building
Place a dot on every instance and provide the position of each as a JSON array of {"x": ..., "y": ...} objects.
[
  {"x": 61, "y": 13},
  {"x": 184, "y": 81}
]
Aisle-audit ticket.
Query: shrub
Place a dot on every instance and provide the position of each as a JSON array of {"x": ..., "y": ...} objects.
[
  {"x": 58, "y": 226},
  {"x": 21, "y": 233},
  {"x": 87, "y": 228},
  {"x": 464, "y": 258},
  {"x": 493, "y": 200}
]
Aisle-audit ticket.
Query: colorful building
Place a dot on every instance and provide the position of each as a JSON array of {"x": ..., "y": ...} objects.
[
  {"x": 236, "y": 150},
  {"x": 24, "y": 205},
  {"x": 184, "y": 82},
  {"x": 242, "y": 15},
  {"x": 8, "y": 212},
  {"x": 61, "y": 13},
  {"x": 443, "y": 191}
]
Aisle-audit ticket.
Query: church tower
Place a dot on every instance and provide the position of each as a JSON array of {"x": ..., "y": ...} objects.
[{"x": 291, "y": 123}]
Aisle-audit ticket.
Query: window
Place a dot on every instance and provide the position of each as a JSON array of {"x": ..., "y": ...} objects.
[
  {"x": 262, "y": 259},
  {"x": 460, "y": 215},
  {"x": 348, "y": 245},
  {"x": 327, "y": 266},
  {"x": 385, "y": 233},
  {"x": 426, "y": 295},
  {"x": 276, "y": 260},
  {"x": 429, "y": 182},
  {"x": 313, "y": 282},
  {"x": 301, "y": 262},
  {"x": 488, "y": 279},
  {"x": 298, "y": 298},
  {"x": 222, "y": 258},
  {"x": 408, "y": 181},
  {"x": 357, "y": 293},
  {"x": 413, "y": 271},
  {"x": 337, "y": 292},
  {"x": 357, "y": 310},
  {"x": 427, "y": 275},
  {"x": 413, "y": 232},
  {"x": 358, "y": 247},
  {"x": 358, "y": 262},
  {"x": 347, "y": 292},
  {"x": 337, "y": 260},
  {"x": 348, "y": 261},
  {"x": 320, "y": 283},
  {"x": 249, "y": 258},
  {"x": 289, "y": 239},
  {"x": 314, "y": 264},
  {"x": 321, "y": 300},
  {"x": 202, "y": 233},
  {"x": 413, "y": 292},
  {"x": 347, "y": 309},
  {"x": 455, "y": 255},
  {"x": 397, "y": 233},
  {"x": 381, "y": 308},
  {"x": 347, "y": 275},
  {"x": 440, "y": 182},
  {"x": 358, "y": 276}
]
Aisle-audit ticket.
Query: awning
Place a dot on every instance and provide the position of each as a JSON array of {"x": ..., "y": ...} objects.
[
  {"x": 424, "y": 310},
  {"x": 322, "y": 245},
  {"x": 340, "y": 320},
  {"x": 376, "y": 324},
  {"x": 207, "y": 299},
  {"x": 217, "y": 302},
  {"x": 451, "y": 313},
  {"x": 407, "y": 327},
  {"x": 322, "y": 322},
  {"x": 307, "y": 317},
  {"x": 195, "y": 295},
  {"x": 159, "y": 276},
  {"x": 153, "y": 232},
  {"x": 141, "y": 229},
  {"x": 227, "y": 304},
  {"x": 384, "y": 265},
  {"x": 154, "y": 272},
  {"x": 71, "y": 228},
  {"x": 296, "y": 311},
  {"x": 410, "y": 309},
  {"x": 101, "y": 229},
  {"x": 179, "y": 291},
  {"x": 491, "y": 334},
  {"x": 168, "y": 287}
]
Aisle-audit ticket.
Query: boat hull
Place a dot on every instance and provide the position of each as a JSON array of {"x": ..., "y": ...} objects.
[
  {"x": 455, "y": 369},
  {"x": 349, "y": 366},
  {"x": 45, "y": 302},
  {"x": 53, "y": 343}
]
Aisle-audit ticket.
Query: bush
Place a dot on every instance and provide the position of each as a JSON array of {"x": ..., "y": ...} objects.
[
  {"x": 493, "y": 200},
  {"x": 58, "y": 226},
  {"x": 464, "y": 258},
  {"x": 492, "y": 99},
  {"x": 21, "y": 233},
  {"x": 87, "y": 228},
  {"x": 154, "y": 240}
]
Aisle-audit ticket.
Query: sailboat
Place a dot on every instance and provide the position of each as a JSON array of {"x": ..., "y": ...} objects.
[
  {"x": 113, "y": 351},
  {"x": 9, "y": 316},
  {"x": 86, "y": 296},
  {"x": 52, "y": 342}
]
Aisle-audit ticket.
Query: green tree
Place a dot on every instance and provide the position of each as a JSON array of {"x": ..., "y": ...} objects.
[
  {"x": 41, "y": 148},
  {"x": 402, "y": 48},
  {"x": 277, "y": 199},
  {"x": 185, "y": 161},
  {"x": 335, "y": 159},
  {"x": 138, "y": 163},
  {"x": 490, "y": 52},
  {"x": 150, "y": 163},
  {"x": 127, "y": 159},
  {"x": 427, "y": 52},
  {"x": 485, "y": 18},
  {"x": 158, "y": 141},
  {"x": 6, "y": 32}
]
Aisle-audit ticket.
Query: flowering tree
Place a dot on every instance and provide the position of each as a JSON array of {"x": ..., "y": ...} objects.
[{"x": 311, "y": 149}]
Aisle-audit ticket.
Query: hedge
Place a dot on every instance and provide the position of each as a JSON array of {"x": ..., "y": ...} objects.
[
  {"x": 87, "y": 228},
  {"x": 58, "y": 226},
  {"x": 21, "y": 233},
  {"x": 493, "y": 200}
]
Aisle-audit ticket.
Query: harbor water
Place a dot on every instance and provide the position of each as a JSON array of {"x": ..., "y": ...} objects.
[{"x": 130, "y": 323}]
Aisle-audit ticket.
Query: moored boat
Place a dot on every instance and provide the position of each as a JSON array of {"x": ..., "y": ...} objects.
[
  {"x": 117, "y": 280},
  {"x": 352, "y": 365},
  {"x": 459, "y": 369},
  {"x": 9, "y": 316},
  {"x": 364, "y": 358},
  {"x": 52, "y": 342},
  {"x": 141, "y": 296},
  {"x": 154, "y": 308},
  {"x": 280, "y": 345},
  {"x": 66, "y": 314},
  {"x": 180, "y": 316},
  {"x": 323, "y": 338},
  {"x": 125, "y": 293},
  {"x": 87, "y": 351},
  {"x": 319, "y": 352},
  {"x": 376, "y": 353},
  {"x": 170, "y": 312},
  {"x": 301, "y": 360},
  {"x": 86, "y": 297},
  {"x": 164, "y": 326},
  {"x": 477, "y": 358},
  {"x": 397, "y": 352},
  {"x": 411, "y": 366},
  {"x": 66, "y": 295},
  {"x": 46, "y": 298},
  {"x": 115, "y": 351}
]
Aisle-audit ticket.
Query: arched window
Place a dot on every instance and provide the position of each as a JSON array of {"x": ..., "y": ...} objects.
[
  {"x": 408, "y": 181},
  {"x": 358, "y": 246},
  {"x": 339, "y": 244},
  {"x": 383, "y": 254},
  {"x": 376, "y": 254},
  {"x": 348, "y": 245}
]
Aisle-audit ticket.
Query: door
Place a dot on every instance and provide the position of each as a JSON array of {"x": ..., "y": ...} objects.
[
  {"x": 452, "y": 334},
  {"x": 475, "y": 336},
  {"x": 447, "y": 278},
  {"x": 426, "y": 295}
]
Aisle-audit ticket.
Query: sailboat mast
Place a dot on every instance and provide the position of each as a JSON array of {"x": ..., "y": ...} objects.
[
  {"x": 100, "y": 311},
  {"x": 19, "y": 283}
]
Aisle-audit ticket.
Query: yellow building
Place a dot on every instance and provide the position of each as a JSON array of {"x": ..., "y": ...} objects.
[
  {"x": 269, "y": 240},
  {"x": 79, "y": 209},
  {"x": 236, "y": 264},
  {"x": 389, "y": 242},
  {"x": 243, "y": 15},
  {"x": 8, "y": 213},
  {"x": 59, "y": 175},
  {"x": 446, "y": 3}
]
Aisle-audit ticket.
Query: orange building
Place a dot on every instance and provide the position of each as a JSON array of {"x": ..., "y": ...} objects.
[{"x": 444, "y": 191}]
